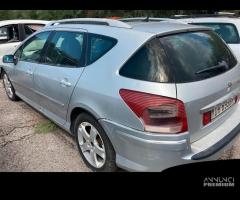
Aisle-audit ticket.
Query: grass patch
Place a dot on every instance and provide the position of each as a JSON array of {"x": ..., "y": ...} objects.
[{"x": 45, "y": 127}]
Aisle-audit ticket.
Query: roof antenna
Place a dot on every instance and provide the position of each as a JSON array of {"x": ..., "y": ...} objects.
[{"x": 147, "y": 18}]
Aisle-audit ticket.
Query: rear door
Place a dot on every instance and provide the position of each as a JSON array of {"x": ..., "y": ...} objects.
[
  {"x": 207, "y": 78},
  {"x": 59, "y": 71}
]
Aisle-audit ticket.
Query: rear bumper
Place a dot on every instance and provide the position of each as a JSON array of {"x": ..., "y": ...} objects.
[
  {"x": 217, "y": 146},
  {"x": 141, "y": 151}
]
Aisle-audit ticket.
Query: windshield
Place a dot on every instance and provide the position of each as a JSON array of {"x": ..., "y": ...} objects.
[{"x": 193, "y": 52}]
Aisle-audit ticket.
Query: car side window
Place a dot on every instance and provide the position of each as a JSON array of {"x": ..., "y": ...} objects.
[
  {"x": 3, "y": 34},
  {"x": 31, "y": 28},
  {"x": 65, "y": 49},
  {"x": 149, "y": 63},
  {"x": 31, "y": 50},
  {"x": 98, "y": 45},
  {"x": 9, "y": 33}
]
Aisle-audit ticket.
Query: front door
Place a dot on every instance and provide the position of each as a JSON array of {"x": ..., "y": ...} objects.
[{"x": 28, "y": 57}]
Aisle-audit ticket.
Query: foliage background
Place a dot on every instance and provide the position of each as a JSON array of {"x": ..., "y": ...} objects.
[{"x": 60, "y": 14}]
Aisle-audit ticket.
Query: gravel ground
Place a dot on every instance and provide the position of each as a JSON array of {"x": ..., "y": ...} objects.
[{"x": 22, "y": 149}]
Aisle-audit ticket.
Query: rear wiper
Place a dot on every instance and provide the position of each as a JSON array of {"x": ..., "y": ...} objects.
[{"x": 219, "y": 65}]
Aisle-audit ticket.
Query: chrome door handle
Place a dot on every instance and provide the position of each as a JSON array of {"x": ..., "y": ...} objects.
[
  {"x": 29, "y": 72},
  {"x": 65, "y": 83}
]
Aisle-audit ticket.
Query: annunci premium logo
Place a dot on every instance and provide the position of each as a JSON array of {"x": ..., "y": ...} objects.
[{"x": 218, "y": 182}]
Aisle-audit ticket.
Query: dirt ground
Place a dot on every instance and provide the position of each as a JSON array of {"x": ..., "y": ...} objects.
[{"x": 23, "y": 149}]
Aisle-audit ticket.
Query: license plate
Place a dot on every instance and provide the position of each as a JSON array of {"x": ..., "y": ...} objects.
[{"x": 219, "y": 109}]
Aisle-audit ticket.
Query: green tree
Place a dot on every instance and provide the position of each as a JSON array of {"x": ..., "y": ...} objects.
[{"x": 61, "y": 14}]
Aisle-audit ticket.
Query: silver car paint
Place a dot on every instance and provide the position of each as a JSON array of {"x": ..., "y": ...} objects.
[
  {"x": 95, "y": 88},
  {"x": 22, "y": 79},
  {"x": 203, "y": 95}
]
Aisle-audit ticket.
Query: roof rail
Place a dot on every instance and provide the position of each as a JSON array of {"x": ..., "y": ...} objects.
[
  {"x": 145, "y": 19},
  {"x": 93, "y": 21},
  {"x": 220, "y": 14},
  {"x": 226, "y": 13}
]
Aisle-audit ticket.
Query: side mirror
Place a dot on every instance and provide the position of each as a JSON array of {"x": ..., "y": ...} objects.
[{"x": 8, "y": 59}]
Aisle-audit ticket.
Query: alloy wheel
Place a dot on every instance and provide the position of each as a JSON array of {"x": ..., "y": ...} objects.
[
  {"x": 91, "y": 144},
  {"x": 8, "y": 86}
]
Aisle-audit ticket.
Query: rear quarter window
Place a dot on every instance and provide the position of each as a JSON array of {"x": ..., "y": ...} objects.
[
  {"x": 98, "y": 46},
  {"x": 149, "y": 63}
]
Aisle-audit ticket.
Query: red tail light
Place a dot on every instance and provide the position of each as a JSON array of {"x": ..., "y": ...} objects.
[{"x": 158, "y": 114}]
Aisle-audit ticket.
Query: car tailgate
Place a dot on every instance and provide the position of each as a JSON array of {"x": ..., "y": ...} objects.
[{"x": 202, "y": 96}]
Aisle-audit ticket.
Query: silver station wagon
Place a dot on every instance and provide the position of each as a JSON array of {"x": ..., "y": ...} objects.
[{"x": 142, "y": 96}]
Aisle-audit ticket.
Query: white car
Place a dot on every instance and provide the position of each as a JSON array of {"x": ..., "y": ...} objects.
[
  {"x": 228, "y": 27},
  {"x": 13, "y": 32}
]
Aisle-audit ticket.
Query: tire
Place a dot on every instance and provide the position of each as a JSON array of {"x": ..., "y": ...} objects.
[
  {"x": 8, "y": 86},
  {"x": 1, "y": 73},
  {"x": 86, "y": 122}
]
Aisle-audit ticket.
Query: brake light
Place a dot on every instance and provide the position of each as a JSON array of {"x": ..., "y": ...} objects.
[
  {"x": 157, "y": 113},
  {"x": 207, "y": 118}
]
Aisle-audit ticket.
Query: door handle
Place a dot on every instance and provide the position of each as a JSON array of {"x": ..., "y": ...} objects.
[
  {"x": 64, "y": 82},
  {"x": 29, "y": 72}
]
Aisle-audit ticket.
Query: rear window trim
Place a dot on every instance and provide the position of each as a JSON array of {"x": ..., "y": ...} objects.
[{"x": 217, "y": 23}]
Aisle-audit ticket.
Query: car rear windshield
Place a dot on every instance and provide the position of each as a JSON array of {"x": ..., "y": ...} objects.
[
  {"x": 196, "y": 56},
  {"x": 180, "y": 58},
  {"x": 227, "y": 31}
]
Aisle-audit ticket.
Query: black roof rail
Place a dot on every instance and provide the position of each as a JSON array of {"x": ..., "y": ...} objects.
[
  {"x": 85, "y": 22},
  {"x": 145, "y": 19}
]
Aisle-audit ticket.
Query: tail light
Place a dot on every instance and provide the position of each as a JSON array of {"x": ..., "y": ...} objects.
[{"x": 157, "y": 113}]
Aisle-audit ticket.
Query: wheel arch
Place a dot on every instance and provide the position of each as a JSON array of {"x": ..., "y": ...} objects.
[{"x": 78, "y": 109}]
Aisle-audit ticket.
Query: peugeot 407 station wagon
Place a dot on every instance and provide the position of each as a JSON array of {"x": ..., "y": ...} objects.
[{"x": 142, "y": 97}]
